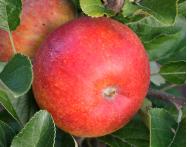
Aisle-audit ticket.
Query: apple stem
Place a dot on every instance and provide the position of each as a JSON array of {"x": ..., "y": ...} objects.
[
  {"x": 109, "y": 92},
  {"x": 12, "y": 42}
]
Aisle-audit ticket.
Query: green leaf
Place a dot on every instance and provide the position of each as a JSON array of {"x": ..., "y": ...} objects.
[
  {"x": 182, "y": 9},
  {"x": 22, "y": 108},
  {"x": 178, "y": 55},
  {"x": 180, "y": 1},
  {"x": 64, "y": 139},
  {"x": 180, "y": 138},
  {"x": 147, "y": 104},
  {"x": 144, "y": 111},
  {"x": 170, "y": 107},
  {"x": 25, "y": 107},
  {"x": 8, "y": 119},
  {"x": 148, "y": 28},
  {"x": 17, "y": 75},
  {"x": 114, "y": 142},
  {"x": 129, "y": 8},
  {"x": 134, "y": 133},
  {"x": 10, "y": 11},
  {"x": 6, "y": 135},
  {"x": 163, "y": 10},
  {"x": 162, "y": 127},
  {"x": 163, "y": 43},
  {"x": 95, "y": 8},
  {"x": 5, "y": 101},
  {"x": 5, "y": 116},
  {"x": 2, "y": 65},
  {"x": 38, "y": 132},
  {"x": 174, "y": 72},
  {"x": 164, "y": 46}
]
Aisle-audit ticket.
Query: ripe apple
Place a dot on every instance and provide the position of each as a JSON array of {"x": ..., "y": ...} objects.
[
  {"x": 92, "y": 75},
  {"x": 38, "y": 19}
]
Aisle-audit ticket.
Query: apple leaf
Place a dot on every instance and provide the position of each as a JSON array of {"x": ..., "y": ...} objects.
[
  {"x": 17, "y": 75},
  {"x": 22, "y": 108},
  {"x": 174, "y": 72},
  {"x": 163, "y": 43},
  {"x": 95, "y": 8},
  {"x": 162, "y": 127},
  {"x": 135, "y": 133},
  {"x": 10, "y": 11},
  {"x": 163, "y": 10},
  {"x": 144, "y": 111},
  {"x": 10, "y": 121},
  {"x": 129, "y": 8},
  {"x": 64, "y": 139},
  {"x": 163, "y": 47},
  {"x": 25, "y": 106},
  {"x": 38, "y": 132},
  {"x": 148, "y": 27},
  {"x": 170, "y": 107},
  {"x": 114, "y": 142},
  {"x": 5, "y": 101},
  {"x": 6, "y": 134},
  {"x": 179, "y": 140},
  {"x": 2, "y": 65},
  {"x": 182, "y": 9}
]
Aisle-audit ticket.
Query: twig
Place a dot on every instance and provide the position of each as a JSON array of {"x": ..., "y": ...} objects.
[
  {"x": 178, "y": 101},
  {"x": 168, "y": 87}
]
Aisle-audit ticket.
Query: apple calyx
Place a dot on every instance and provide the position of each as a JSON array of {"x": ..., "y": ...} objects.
[{"x": 110, "y": 92}]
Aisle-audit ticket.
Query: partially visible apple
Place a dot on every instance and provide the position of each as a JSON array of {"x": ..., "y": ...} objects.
[
  {"x": 38, "y": 19},
  {"x": 92, "y": 75}
]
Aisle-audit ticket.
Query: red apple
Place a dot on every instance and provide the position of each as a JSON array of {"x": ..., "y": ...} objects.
[
  {"x": 92, "y": 75},
  {"x": 38, "y": 19}
]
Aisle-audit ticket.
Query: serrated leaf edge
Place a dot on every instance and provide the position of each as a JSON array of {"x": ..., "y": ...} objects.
[
  {"x": 160, "y": 109},
  {"x": 177, "y": 128},
  {"x": 53, "y": 129},
  {"x": 31, "y": 67},
  {"x": 7, "y": 21},
  {"x": 28, "y": 123},
  {"x": 100, "y": 15},
  {"x": 176, "y": 4}
]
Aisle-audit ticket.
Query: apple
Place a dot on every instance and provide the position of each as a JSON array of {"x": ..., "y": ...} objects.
[
  {"x": 92, "y": 75},
  {"x": 38, "y": 19}
]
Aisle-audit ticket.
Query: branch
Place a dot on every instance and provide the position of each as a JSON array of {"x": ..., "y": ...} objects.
[{"x": 178, "y": 101}]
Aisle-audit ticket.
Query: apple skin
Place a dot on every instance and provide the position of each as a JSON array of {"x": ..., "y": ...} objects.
[
  {"x": 76, "y": 65},
  {"x": 38, "y": 19}
]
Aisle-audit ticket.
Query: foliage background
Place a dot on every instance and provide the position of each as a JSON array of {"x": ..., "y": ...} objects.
[{"x": 161, "y": 121}]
